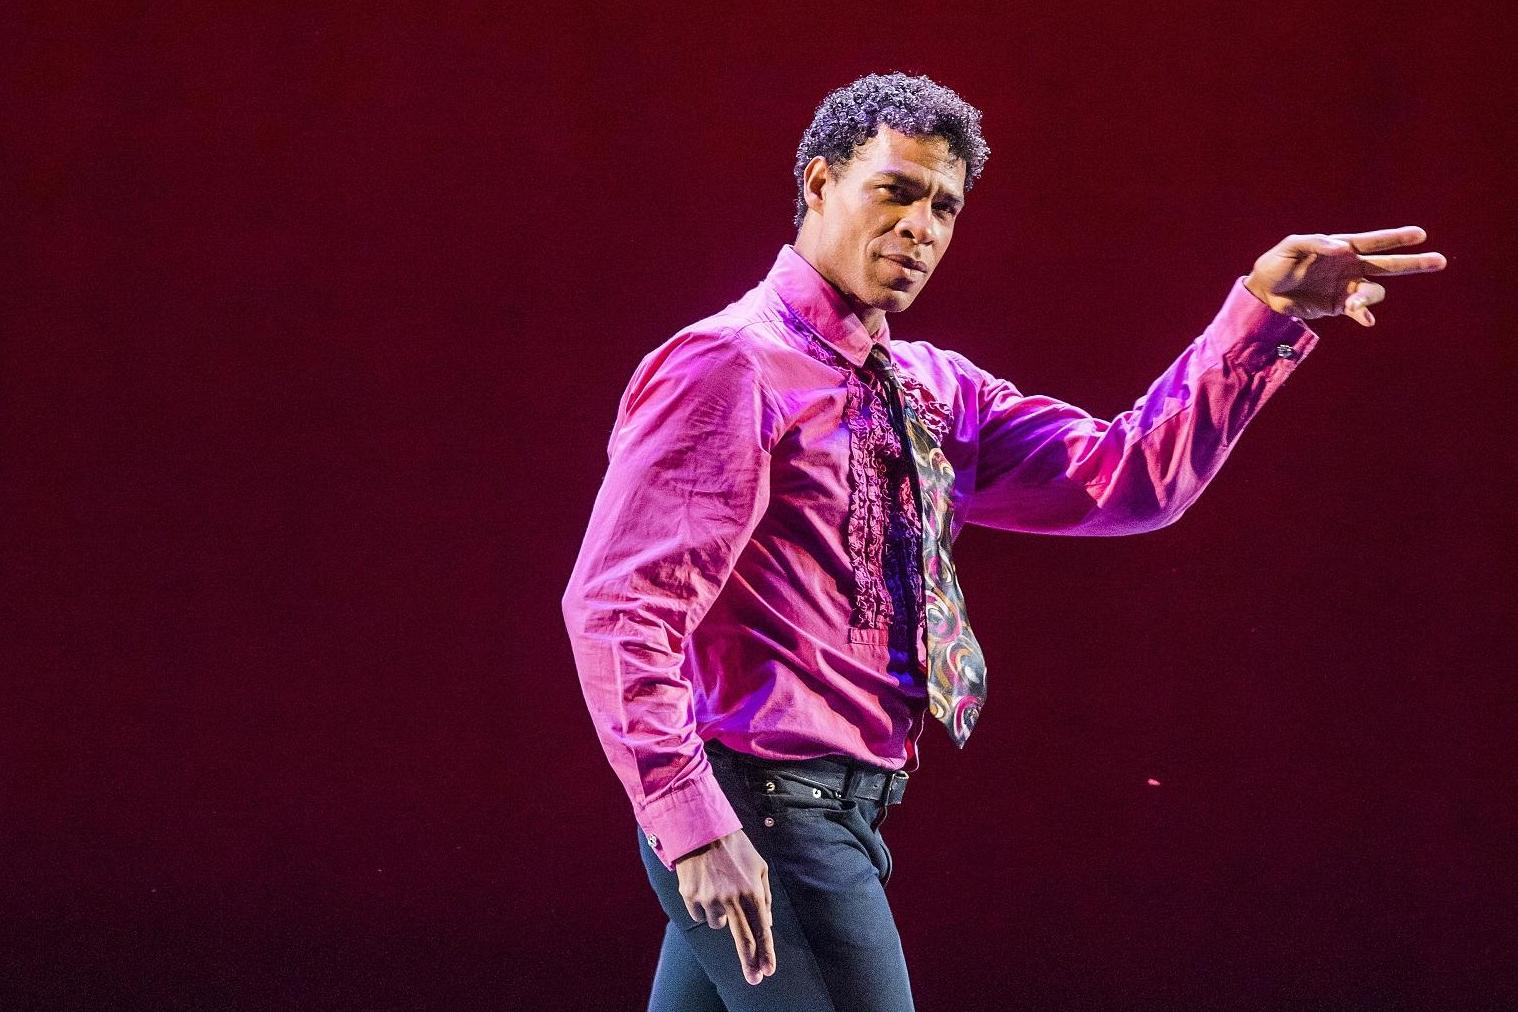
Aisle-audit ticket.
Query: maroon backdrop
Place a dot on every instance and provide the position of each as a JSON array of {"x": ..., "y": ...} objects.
[{"x": 314, "y": 327}]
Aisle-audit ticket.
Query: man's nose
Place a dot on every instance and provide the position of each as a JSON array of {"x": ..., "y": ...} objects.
[{"x": 918, "y": 223}]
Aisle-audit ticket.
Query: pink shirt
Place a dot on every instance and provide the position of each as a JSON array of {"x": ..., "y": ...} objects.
[{"x": 730, "y": 584}]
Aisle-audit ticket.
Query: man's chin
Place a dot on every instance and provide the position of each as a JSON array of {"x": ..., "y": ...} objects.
[
  {"x": 885, "y": 298},
  {"x": 894, "y": 301}
]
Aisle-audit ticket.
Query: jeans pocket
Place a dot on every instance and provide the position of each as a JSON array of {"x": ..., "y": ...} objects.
[{"x": 787, "y": 795}]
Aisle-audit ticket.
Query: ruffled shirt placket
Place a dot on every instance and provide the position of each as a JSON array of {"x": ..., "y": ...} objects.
[{"x": 884, "y": 529}]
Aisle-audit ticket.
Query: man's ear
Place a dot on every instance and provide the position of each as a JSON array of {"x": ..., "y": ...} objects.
[{"x": 813, "y": 178}]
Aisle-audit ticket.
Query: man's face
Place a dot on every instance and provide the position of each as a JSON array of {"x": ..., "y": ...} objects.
[{"x": 895, "y": 201}]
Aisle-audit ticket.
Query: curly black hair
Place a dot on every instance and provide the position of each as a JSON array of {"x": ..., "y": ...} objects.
[{"x": 916, "y": 106}]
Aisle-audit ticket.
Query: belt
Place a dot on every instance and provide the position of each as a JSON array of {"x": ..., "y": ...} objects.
[{"x": 839, "y": 776}]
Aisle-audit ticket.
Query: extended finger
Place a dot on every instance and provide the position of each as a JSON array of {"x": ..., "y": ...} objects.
[
  {"x": 743, "y": 938},
  {"x": 1324, "y": 245},
  {"x": 1382, "y": 238},
  {"x": 1405, "y": 263},
  {"x": 764, "y": 941}
]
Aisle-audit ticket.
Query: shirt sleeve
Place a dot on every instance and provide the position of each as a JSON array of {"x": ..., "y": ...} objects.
[
  {"x": 686, "y": 483},
  {"x": 1048, "y": 467}
]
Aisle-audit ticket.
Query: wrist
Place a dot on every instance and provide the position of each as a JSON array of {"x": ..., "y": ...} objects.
[
  {"x": 1253, "y": 287},
  {"x": 699, "y": 850},
  {"x": 1277, "y": 304}
]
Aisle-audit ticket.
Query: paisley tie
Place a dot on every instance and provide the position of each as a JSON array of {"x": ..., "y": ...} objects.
[{"x": 956, "y": 668}]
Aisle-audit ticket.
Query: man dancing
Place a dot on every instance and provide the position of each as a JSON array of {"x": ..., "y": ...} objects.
[{"x": 764, "y": 611}]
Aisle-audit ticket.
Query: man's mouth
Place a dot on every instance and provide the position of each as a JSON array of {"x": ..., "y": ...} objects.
[{"x": 907, "y": 263}]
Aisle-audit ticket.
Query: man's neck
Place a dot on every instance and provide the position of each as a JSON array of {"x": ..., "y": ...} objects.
[{"x": 872, "y": 318}]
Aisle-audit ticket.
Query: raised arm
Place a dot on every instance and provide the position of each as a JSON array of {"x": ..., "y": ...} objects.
[
  {"x": 687, "y": 481},
  {"x": 1048, "y": 467}
]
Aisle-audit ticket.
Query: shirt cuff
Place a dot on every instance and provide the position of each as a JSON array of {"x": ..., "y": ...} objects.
[
  {"x": 1257, "y": 338},
  {"x": 695, "y": 812}
]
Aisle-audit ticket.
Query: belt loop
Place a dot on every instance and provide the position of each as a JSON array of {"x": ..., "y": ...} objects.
[{"x": 848, "y": 780}]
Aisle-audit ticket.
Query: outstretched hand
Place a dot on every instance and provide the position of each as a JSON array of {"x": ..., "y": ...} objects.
[{"x": 1308, "y": 276}]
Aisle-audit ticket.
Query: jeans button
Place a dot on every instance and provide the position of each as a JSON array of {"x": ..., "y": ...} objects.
[{"x": 769, "y": 820}]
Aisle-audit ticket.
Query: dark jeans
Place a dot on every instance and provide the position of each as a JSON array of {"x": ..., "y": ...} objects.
[{"x": 836, "y": 945}]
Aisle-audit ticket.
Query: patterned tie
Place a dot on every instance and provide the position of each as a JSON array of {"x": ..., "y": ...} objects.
[{"x": 956, "y": 668}]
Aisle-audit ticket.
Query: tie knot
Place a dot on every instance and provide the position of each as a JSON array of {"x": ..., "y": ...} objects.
[{"x": 880, "y": 360}]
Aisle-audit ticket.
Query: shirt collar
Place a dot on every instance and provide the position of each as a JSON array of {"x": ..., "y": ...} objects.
[{"x": 813, "y": 298}]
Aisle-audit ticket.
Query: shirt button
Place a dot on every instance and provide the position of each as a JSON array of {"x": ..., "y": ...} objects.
[
  {"x": 653, "y": 841},
  {"x": 1285, "y": 351}
]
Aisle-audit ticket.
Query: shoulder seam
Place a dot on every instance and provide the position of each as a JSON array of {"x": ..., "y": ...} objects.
[{"x": 729, "y": 334}]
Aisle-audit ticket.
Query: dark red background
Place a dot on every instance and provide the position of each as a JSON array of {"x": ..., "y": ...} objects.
[{"x": 314, "y": 327}]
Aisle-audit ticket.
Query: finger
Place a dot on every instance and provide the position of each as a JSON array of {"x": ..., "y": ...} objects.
[
  {"x": 709, "y": 912},
  {"x": 1382, "y": 238},
  {"x": 1364, "y": 293},
  {"x": 743, "y": 938},
  {"x": 1323, "y": 245},
  {"x": 764, "y": 939},
  {"x": 1405, "y": 263},
  {"x": 765, "y": 946}
]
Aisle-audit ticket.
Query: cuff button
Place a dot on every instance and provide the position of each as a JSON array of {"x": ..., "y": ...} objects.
[
  {"x": 653, "y": 841},
  {"x": 1285, "y": 351}
]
